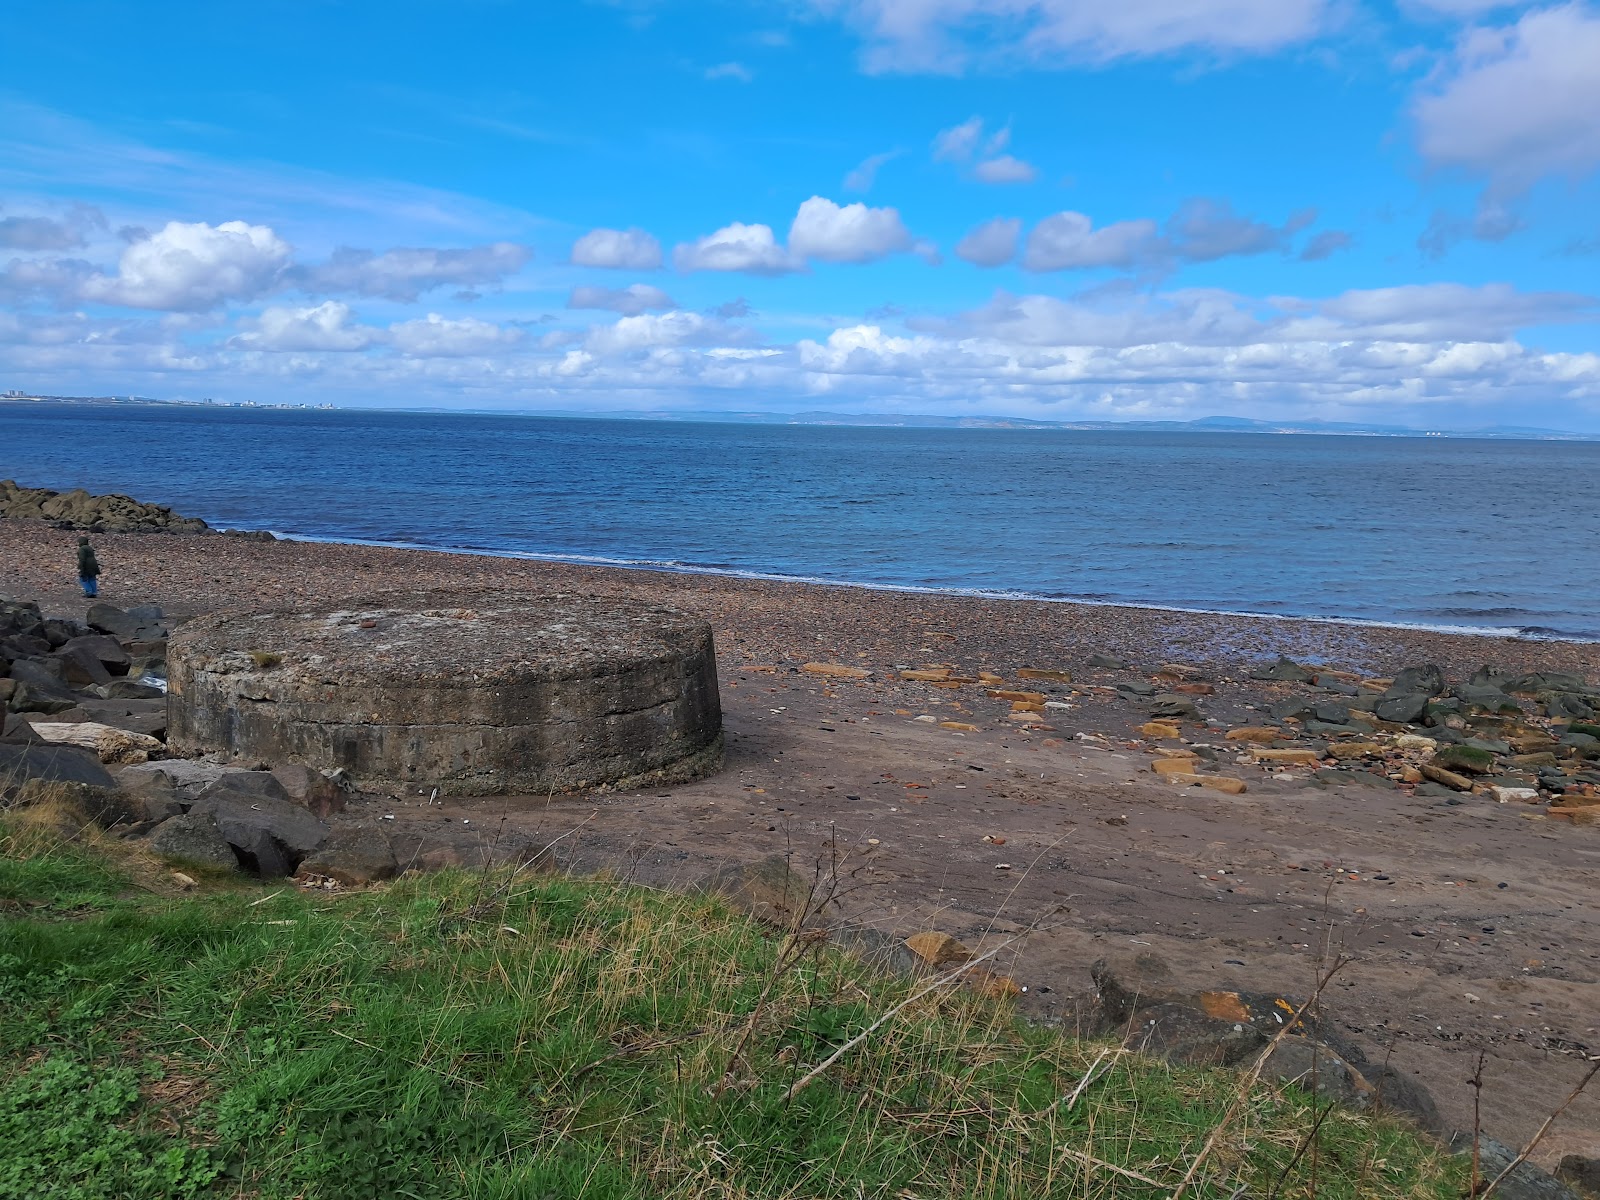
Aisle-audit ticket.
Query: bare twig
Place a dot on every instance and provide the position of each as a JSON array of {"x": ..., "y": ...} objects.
[{"x": 1516, "y": 1162}]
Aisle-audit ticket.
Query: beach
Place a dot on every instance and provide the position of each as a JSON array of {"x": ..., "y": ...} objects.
[{"x": 1469, "y": 921}]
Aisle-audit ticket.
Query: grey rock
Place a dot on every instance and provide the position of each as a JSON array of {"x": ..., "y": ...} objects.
[
  {"x": 1427, "y": 679},
  {"x": 189, "y": 777},
  {"x": 270, "y": 833},
  {"x": 192, "y": 838},
  {"x": 1550, "y": 681},
  {"x": 1401, "y": 710},
  {"x": 109, "y": 619},
  {"x": 1580, "y": 1172},
  {"x": 1527, "y": 1182},
  {"x": 1136, "y": 687},
  {"x": 1564, "y": 704},
  {"x": 108, "y": 650},
  {"x": 149, "y": 795},
  {"x": 1173, "y": 705},
  {"x": 52, "y": 764},
  {"x": 352, "y": 855},
  {"x": 1285, "y": 670},
  {"x": 310, "y": 789},
  {"x": 1333, "y": 714},
  {"x": 1107, "y": 662},
  {"x": 1321, "y": 1070},
  {"x": 81, "y": 668},
  {"x": 1489, "y": 699},
  {"x": 47, "y": 672},
  {"x": 1180, "y": 1034},
  {"x": 129, "y": 689},
  {"x": 16, "y": 728}
]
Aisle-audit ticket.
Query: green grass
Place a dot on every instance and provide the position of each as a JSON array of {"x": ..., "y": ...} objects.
[{"x": 504, "y": 1035}]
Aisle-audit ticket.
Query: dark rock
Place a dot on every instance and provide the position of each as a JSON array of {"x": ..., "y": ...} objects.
[
  {"x": 108, "y": 650},
  {"x": 1333, "y": 714},
  {"x": 352, "y": 855},
  {"x": 310, "y": 789},
  {"x": 1436, "y": 791},
  {"x": 1488, "y": 699},
  {"x": 52, "y": 764},
  {"x": 270, "y": 834},
  {"x": 1106, "y": 662},
  {"x": 58, "y": 633},
  {"x": 1337, "y": 686},
  {"x": 1285, "y": 671},
  {"x": 41, "y": 698},
  {"x": 1550, "y": 681},
  {"x": 1180, "y": 1034},
  {"x": 1402, "y": 710},
  {"x": 1492, "y": 745},
  {"x": 1464, "y": 758},
  {"x": 1427, "y": 679},
  {"x": 1296, "y": 708},
  {"x": 189, "y": 777},
  {"x": 192, "y": 838},
  {"x": 1402, "y": 1094},
  {"x": 1327, "y": 729},
  {"x": 1322, "y": 1071},
  {"x": 1127, "y": 983},
  {"x": 1173, "y": 706},
  {"x": 81, "y": 668},
  {"x": 1565, "y": 704},
  {"x": 17, "y": 729},
  {"x": 1580, "y": 1172},
  {"x": 150, "y": 795},
  {"x": 1527, "y": 1182},
  {"x": 1137, "y": 687},
  {"x": 47, "y": 672},
  {"x": 107, "y": 807},
  {"x": 109, "y": 619}
]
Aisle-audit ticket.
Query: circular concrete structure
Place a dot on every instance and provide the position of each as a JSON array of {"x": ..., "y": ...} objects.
[{"x": 475, "y": 694}]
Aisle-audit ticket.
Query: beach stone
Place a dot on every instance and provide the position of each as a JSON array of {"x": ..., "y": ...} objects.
[
  {"x": 1160, "y": 729},
  {"x": 192, "y": 838},
  {"x": 270, "y": 835},
  {"x": 53, "y": 764},
  {"x": 112, "y": 745},
  {"x": 937, "y": 949},
  {"x": 129, "y": 689},
  {"x": 353, "y": 855},
  {"x": 1428, "y": 680},
  {"x": 107, "y": 650},
  {"x": 80, "y": 667},
  {"x": 1178, "y": 1033},
  {"x": 473, "y": 693},
  {"x": 836, "y": 670},
  {"x": 1319, "y": 1069},
  {"x": 188, "y": 777},
  {"x": 1174, "y": 706},
  {"x": 310, "y": 789},
  {"x": 1137, "y": 687},
  {"x": 1401, "y": 710},
  {"x": 1217, "y": 783},
  {"x": 1108, "y": 662},
  {"x": 1283, "y": 671},
  {"x": 1527, "y": 1182},
  {"x": 1449, "y": 779},
  {"x": 1254, "y": 733}
]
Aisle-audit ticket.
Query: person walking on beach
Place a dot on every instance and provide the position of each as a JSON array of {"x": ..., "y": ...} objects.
[{"x": 88, "y": 568}]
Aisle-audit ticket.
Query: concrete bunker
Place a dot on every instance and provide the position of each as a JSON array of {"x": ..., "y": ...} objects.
[{"x": 470, "y": 693}]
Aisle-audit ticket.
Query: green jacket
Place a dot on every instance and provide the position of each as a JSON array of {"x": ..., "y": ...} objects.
[{"x": 88, "y": 568}]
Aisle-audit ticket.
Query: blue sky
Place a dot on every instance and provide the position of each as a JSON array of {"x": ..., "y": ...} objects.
[{"x": 1058, "y": 209}]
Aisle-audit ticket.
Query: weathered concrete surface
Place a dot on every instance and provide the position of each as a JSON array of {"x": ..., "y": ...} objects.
[{"x": 474, "y": 694}]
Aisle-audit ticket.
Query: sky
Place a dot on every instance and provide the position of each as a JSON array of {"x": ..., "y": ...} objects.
[{"x": 1341, "y": 210}]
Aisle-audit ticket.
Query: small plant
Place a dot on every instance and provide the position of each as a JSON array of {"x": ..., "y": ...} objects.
[{"x": 266, "y": 659}]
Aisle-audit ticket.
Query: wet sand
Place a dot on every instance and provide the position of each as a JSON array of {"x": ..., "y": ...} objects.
[{"x": 1473, "y": 924}]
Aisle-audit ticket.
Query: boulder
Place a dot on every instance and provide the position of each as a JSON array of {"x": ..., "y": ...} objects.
[
  {"x": 81, "y": 667},
  {"x": 1428, "y": 680},
  {"x": 112, "y": 745},
  {"x": 1550, "y": 681},
  {"x": 189, "y": 777},
  {"x": 1527, "y": 1182},
  {"x": 1313, "y": 1067},
  {"x": 1486, "y": 699},
  {"x": 107, "y": 807},
  {"x": 269, "y": 833},
  {"x": 107, "y": 650},
  {"x": 352, "y": 855},
  {"x": 1464, "y": 759},
  {"x": 192, "y": 838},
  {"x": 937, "y": 949},
  {"x": 54, "y": 764},
  {"x": 111, "y": 620},
  {"x": 310, "y": 789},
  {"x": 1401, "y": 709},
  {"x": 27, "y": 696},
  {"x": 1180, "y": 1034},
  {"x": 129, "y": 689},
  {"x": 149, "y": 795},
  {"x": 1580, "y": 1171},
  {"x": 1566, "y": 705}
]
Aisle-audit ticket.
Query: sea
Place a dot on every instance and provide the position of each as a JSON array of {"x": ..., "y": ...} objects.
[{"x": 1458, "y": 534}]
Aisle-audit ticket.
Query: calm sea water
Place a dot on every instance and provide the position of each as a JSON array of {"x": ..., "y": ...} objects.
[{"x": 1441, "y": 532}]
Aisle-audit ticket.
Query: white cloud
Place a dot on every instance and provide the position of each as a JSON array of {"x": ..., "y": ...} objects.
[
  {"x": 192, "y": 267},
  {"x": 949, "y": 35},
  {"x": 404, "y": 273},
  {"x": 50, "y": 233},
  {"x": 852, "y": 233},
  {"x": 328, "y": 326},
  {"x": 1069, "y": 241},
  {"x": 1203, "y": 230},
  {"x": 435, "y": 336},
  {"x": 991, "y": 244},
  {"x": 865, "y": 173},
  {"x": 630, "y": 301},
  {"x": 646, "y": 332},
  {"x": 737, "y": 247},
  {"x": 1005, "y": 169},
  {"x": 1519, "y": 102},
  {"x": 618, "y": 249},
  {"x": 730, "y": 70},
  {"x": 960, "y": 142}
]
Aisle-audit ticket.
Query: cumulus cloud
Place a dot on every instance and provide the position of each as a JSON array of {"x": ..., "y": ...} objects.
[
  {"x": 1204, "y": 229},
  {"x": 329, "y": 326},
  {"x": 960, "y": 142},
  {"x": 730, "y": 70},
  {"x": 1491, "y": 222},
  {"x": 949, "y": 35},
  {"x": 737, "y": 247},
  {"x": 435, "y": 336},
  {"x": 865, "y": 173},
  {"x": 1069, "y": 241},
  {"x": 630, "y": 301},
  {"x": 1518, "y": 102},
  {"x": 852, "y": 233},
  {"x": 617, "y": 249},
  {"x": 192, "y": 267},
  {"x": 646, "y": 332},
  {"x": 405, "y": 273},
  {"x": 991, "y": 244}
]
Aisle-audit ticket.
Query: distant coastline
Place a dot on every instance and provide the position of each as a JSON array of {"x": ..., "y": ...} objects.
[{"x": 1211, "y": 424}]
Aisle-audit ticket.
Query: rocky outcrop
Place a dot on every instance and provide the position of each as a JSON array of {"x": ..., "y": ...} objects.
[{"x": 77, "y": 509}]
